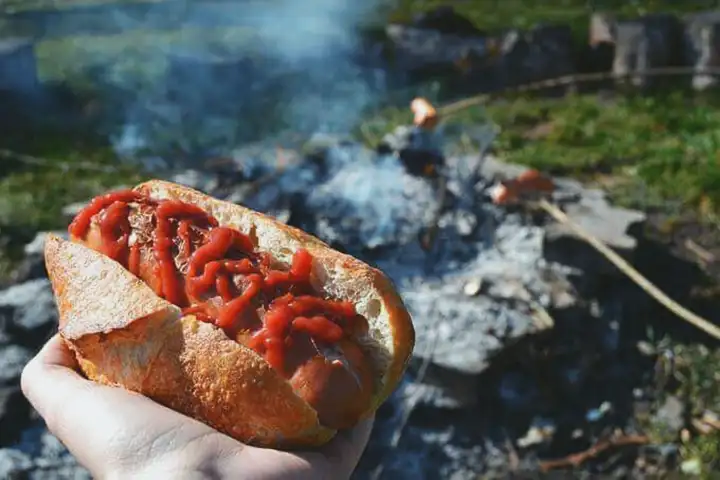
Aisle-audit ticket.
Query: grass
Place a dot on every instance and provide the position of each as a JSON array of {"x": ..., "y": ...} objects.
[
  {"x": 32, "y": 197},
  {"x": 694, "y": 378},
  {"x": 666, "y": 143}
]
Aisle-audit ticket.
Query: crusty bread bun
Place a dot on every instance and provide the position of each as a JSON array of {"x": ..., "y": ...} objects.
[{"x": 124, "y": 334}]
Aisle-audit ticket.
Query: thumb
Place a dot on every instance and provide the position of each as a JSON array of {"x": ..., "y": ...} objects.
[{"x": 102, "y": 426}]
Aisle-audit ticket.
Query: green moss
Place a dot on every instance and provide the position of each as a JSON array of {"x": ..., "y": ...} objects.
[{"x": 32, "y": 197}]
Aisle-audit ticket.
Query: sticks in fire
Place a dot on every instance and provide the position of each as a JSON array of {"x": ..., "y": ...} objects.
[{"x": 578, "y": 459}]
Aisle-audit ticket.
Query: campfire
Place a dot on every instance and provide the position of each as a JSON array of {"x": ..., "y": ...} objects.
[
  {"x": 472, "y": 267},
  {"x": 522, "y": 363}
]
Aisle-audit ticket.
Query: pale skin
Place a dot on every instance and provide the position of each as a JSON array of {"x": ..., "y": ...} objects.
[{"x": 118, "y": 434}]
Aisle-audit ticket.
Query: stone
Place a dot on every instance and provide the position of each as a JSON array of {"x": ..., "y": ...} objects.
[
  {"x": 466, "y": 222},
  {"x": 36, "y": 247},
  {"x": 14, "y": 414},
  {"x": 12, "y": 360},
  {"x": 703, "y": 47},
  {"x": 671, "y": 414},
  {"x": 708, "y": 58},
  {"x": 419, "y": 150},
  {"x": 460, "y": 332},
  {"x": 472, "y": 288},
  {"x": 544, "y": 52},
  {"x": 591, "y": 211},
  {"x": 651, "y": 41},
  {"x": 6, "y": 329},
  {"x": 197, "y": 180},
  {"x": 14, "y": 464},
  {"x": 446, "y": 389},
  {"x": 33, "y": 311},
  {"x": 32, "y": 266},
  {"x": 595, "y": 215},
  {"x": 541, "y": 430},
  {"x": 48, "y": 456},
  {"x": 518, "y": 391},
  {"x": 691, "y": 466},
  {"x": 597, "y": 414}
]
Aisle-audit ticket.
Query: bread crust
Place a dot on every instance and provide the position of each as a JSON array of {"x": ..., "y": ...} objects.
[{"x": 124, "y": 334}]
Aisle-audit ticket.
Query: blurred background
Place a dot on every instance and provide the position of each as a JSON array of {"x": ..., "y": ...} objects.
[{"x": 536, "y": 357}]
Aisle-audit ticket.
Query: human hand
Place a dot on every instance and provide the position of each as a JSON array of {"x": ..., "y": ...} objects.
[{"x": 115, "y": 433}]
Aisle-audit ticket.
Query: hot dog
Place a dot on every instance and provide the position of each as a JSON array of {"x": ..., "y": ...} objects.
[
  {"x": 425, "y": 115},
  {"x": 251, "y": 326},
  {"x": 528, "y": 184}
]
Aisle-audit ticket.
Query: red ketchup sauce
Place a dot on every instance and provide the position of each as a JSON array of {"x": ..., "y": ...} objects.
[{"x": 220, "y": 263}]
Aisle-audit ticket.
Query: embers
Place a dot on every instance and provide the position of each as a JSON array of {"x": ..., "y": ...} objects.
[{"x": 417, "y": 150}]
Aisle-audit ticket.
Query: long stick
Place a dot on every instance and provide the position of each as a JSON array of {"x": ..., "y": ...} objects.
[
  {"x": 633, "y": 274},
  {"x": 456, "y": 107}
]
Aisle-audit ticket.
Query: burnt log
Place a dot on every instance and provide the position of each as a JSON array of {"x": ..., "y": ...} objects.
[
  {"x": 425, "y": 52},
  {"x": 703, "y": 47},
  {"x": 597, "y": 56},
  {"x": 418, "y": 150},
  {"x": 542, "y": 53},
  {"x": 649, "y": 42}
]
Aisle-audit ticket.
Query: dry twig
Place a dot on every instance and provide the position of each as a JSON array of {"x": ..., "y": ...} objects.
[
  {"x": 428, "y": 236},
  {"x": 456, "y": 107},
  {"x": 282, "y": 165},
  {"x": 699, "y": 251},
  {"x": 541, "y": 317},
  {"x": 513, "y": 457},
  {"x": 579, "y": 458}
]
